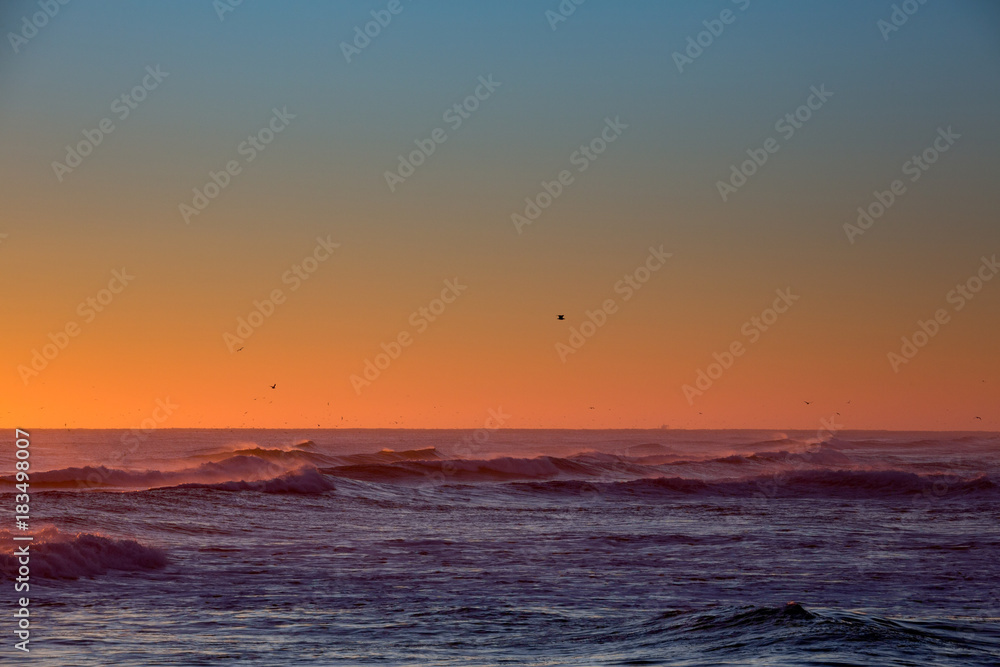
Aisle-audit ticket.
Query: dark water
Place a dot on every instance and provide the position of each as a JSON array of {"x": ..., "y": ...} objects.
[{"x": 641, "y": 548}]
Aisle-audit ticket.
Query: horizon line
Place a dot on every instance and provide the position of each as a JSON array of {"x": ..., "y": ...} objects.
[{"x": 473, "y": 428}]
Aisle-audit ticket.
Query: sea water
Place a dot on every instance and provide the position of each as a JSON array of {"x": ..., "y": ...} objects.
[{"x": 507, "y": 547}]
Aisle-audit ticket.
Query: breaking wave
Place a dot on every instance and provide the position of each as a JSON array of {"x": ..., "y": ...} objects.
[
  {"x": 241, "y": 467},
  {"x": 58, "y": 555},
  {"x": 304, "y": 482},
  {"x": 817, "y": 469}
]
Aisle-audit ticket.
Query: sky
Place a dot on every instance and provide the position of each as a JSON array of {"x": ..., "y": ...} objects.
[{"x": 648, "y": 112}]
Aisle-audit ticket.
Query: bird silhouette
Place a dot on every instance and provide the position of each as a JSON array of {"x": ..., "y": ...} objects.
[
  {"x": 979, "y": 418},
  {"x": 240, "y": 350},
  {"x": 274, "y": 385},
  {"x": 561, "y": 317},
  {"x": 807, "y": 402}
]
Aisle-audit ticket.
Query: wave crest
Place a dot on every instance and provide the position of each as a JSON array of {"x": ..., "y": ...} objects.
[
  {"x": 305, "y": 482},
  {"x": 241, "y": 467},
  {"x": 58, "y": 555}
]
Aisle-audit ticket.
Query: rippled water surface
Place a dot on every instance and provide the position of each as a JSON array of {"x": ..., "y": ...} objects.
[{"x": 535, "y": 548}]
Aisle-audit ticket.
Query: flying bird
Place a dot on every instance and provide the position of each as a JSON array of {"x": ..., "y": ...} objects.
[
  {"x": 240, "y": 350},
  {"x": 979, "y": 418},
  {"x": 274, "y": 385},
  {"x": 807, "y": 402},
  {"x": 561, "y": 317}
]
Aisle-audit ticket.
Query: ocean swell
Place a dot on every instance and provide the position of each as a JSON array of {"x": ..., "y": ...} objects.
[
  {"x": 57, "y": 555},
  {"x": 305, "y": 482}
]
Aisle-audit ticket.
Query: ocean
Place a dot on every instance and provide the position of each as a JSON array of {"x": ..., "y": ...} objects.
[{"x": 506, "y": 547}]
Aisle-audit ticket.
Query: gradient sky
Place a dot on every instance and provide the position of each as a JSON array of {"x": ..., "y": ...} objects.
[{"x": 495, "y": 346}]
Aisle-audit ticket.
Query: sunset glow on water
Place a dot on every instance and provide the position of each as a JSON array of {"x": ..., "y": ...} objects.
[{"x": 552, "y": 332}]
